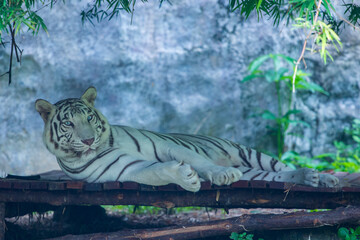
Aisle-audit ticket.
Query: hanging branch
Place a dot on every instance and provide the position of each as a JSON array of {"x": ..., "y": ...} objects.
[
  {"x": 14, "y": 47},
  {"x": 304, "y": 47}
]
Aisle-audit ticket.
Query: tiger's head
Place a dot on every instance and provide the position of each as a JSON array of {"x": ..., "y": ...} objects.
[{"x": 73, "y": 127}]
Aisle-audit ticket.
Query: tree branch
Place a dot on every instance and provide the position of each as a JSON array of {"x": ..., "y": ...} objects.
[{"x": 256, "y": 222}]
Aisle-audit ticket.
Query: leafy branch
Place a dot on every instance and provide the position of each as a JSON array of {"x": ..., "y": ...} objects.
[
  {"x": 16, "y": 15},
  {"x": 108, "y": 9}
]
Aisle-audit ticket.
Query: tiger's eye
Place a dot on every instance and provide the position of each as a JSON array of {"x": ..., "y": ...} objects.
[
  {"x": 89, "y": 118},
  {"x": 67, "y": 123}
]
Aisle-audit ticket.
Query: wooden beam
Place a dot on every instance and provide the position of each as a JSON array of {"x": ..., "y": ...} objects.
[
  {"x": 2, "y": 221},
  {"x": 256, "y": 222},
  {"x": 221, "y": 198}
]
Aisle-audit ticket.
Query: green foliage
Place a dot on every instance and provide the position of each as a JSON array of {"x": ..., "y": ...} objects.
[
  {"x": 107, "y": 9},
  {"x": 147, "y": 209},
  {"x": 349, "y": 233},
  {"x": 280, "y": 75},
  {"x": 278, "y": 10},
  {"x": 354, "y": 12},
  {"x": 346, "y": 158},
  {"x": 243, "y": 236},
  {"x": 16, "y": 15},
  {"x": 19, "y": 14},
  {"x": 324, "y": 34}
]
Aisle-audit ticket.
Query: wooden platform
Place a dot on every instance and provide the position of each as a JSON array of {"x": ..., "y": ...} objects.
[{"x": 19, "y": 196}]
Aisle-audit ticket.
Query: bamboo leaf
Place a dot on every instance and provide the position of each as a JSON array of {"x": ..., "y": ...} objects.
[{"x": 254, "y": 65}]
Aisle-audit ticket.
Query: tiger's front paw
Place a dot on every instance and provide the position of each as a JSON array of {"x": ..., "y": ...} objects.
[
  {"x": 328, "y": 180},
  {"x": 224, "y": 175},
  {"x": 311, "y": 176},
  {"x": 185, "y": 176}
]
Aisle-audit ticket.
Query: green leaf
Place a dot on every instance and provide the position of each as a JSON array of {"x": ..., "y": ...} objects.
[
  {"x": 305, "y": 85},
  {"x": 268, "y": 115},
  {"x": 289, "y": 155},
  {"x": 290, "y": 60},
  {"x": 254, "y": 65},
  {"x": 251, "y": 76},
  {"x": 271, "y": 75},
  {"x": 357, "y": 230},
  {"x": 295, "y": 122},
  {"x": 258, "y": 4},
  {"x": 290, "y": 112},
  {"x": 356, "y": 138}
]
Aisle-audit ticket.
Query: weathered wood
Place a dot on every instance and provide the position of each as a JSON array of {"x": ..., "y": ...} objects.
[
  {"x": 256, "y": 222},
  {"x": 227, "y": 198},
  {"x": 2, "y": 221}
]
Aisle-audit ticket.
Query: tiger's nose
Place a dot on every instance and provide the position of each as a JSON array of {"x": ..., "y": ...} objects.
[{"x": 88, "y": 141}]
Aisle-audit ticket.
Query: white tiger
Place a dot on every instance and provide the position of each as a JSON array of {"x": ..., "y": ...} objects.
[{"x": 88, "y": 148}]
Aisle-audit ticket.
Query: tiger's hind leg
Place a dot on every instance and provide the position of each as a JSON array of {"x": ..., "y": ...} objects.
[{"x": 306, "y": 176}]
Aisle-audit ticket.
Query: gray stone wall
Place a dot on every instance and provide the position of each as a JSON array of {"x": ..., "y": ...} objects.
[{"x": 175, "y": 69}]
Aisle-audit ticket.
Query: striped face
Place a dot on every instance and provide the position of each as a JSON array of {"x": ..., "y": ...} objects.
[{"x": 73, "y": 127}]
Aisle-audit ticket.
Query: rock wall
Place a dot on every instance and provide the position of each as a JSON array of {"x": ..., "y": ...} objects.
[{"x": 175, "y": 69}]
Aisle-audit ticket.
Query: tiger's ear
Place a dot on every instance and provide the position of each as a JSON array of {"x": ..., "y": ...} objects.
[
  {"x": 89, "y": 96},
  {"x": 44, "y": 108}
]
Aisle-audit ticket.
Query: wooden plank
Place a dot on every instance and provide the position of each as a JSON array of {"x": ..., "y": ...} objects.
[
  {"x": 169, "y": 187},
  {"x": 227, "y": 198},
  {"x": 4, "y": 184},
  {"x": 130, "y": 186},
  {"x": 240, "y": 184},
  {"x": 75, "y": 185},
  {"x": 39, "y": 185},
  {"x": 93, "y": 187},
  {"x": 57, "y": 186},
  {"x": 2, "y": 221},
  {"x": 205, "y": 185},
  {"x": 144, "y": 187},
  {"x": 258, "y": 184},
  {"x": 111, "y": 185},
  {"x": 21, "y": 185},
  {"x": 352, "y": 178},
  {"x": 277, "y": 185}
]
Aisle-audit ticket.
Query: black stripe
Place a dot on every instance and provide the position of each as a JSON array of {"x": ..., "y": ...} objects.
[
  {"x": 176, "y": 141},
  {"x": 207, "y": 139},
  {"x": 51, "y": 134},
  {"x": 181, "y": 141},
  {"x": 154, "y": 147},
  {"x": 190, "y": 143},
  {"x": 193, "y": 145},
  {"x": 235, "y": 145},
  {"x": 273, "y": 162},
  {"x": 249, "y": 153},
  {"x": 107, "y": 168},
  {"x": 82, "y": 168},
  {"x": 111, "y": 138},
  {"x": 256, "y": 176},
  {"x": 263, "y": 177},
  {"x": 156, "y": 134},
  {"x": 134, "y": 139},
  {"x": 206, "y": 153},
  {"x": 244, "y": 172},
  {"x": 128, "y": 165},
  {"x": 224, "y": 140},
  {"x": 152, "y": 164},
  {"x": 56, "y": 131},
  {"x": 243, "y": 157},
  {"x": 258, "y": 157}
]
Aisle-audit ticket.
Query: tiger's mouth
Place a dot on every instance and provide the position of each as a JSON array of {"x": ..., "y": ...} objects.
[{"x": 88, "y": 152}]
